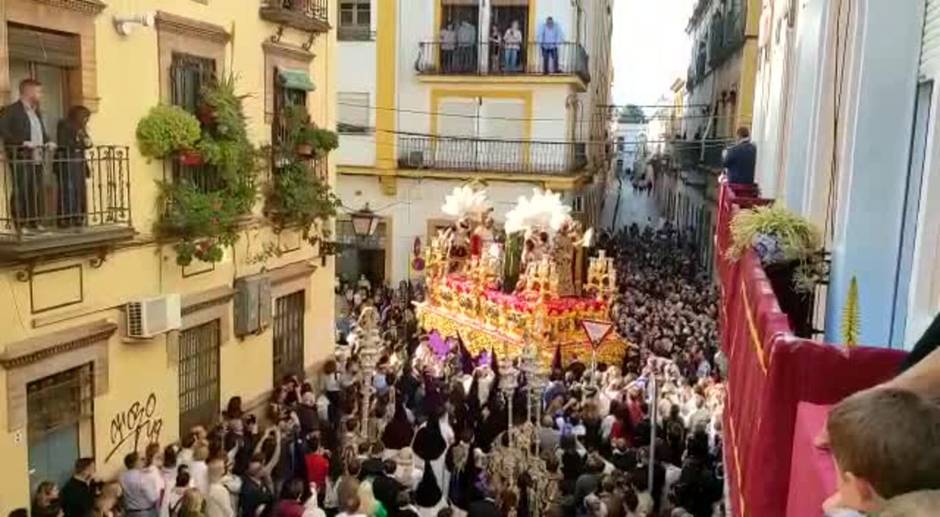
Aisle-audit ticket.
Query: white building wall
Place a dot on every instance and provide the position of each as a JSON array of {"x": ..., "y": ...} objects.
[
  {"x": 356, "y": 73},
  {"x": 416, "y": 202}
]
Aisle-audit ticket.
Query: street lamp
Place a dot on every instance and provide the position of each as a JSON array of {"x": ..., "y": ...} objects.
[{"x": 364, "y": 222}]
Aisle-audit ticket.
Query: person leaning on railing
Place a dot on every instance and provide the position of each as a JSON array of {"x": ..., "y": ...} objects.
[{"x": 25, "y": 138}]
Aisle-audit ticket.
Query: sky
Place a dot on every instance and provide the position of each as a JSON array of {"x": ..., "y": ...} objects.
[{"x": 650, "y": 48}]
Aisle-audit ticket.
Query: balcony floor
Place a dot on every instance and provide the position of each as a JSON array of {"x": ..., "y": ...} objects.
[{"x": 61, "y": 241}]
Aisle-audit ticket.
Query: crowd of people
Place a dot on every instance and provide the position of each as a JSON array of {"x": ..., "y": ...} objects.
[{"x": 435, "y": 437}]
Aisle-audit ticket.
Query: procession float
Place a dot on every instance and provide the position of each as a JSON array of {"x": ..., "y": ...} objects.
[{"x": 523, "y": 289}]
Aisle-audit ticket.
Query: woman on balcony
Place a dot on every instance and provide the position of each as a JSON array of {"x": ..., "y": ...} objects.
[
  {"x": 71, "y": 167},
  {"x": 512, "y": 43}
]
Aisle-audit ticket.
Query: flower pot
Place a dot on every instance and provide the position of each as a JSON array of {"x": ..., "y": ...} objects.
[
  {"x": 305, "y": 150},
  {"x": 205, "y": 114},
  {"x": 191, "y": 158},
  {"x": 798, "y": 306}
]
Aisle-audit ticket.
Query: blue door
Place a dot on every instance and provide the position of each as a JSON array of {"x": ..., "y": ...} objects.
[{"x": 52, "y": 457}]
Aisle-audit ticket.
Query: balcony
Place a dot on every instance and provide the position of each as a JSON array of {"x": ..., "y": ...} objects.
[
  {"x": 485, "y": 59},
  {"x": 61, "y": 201},
  {"x": 504, "y": 156},
  {"x": 692, "y": 154},
  {"x": 304, "y": 15}
]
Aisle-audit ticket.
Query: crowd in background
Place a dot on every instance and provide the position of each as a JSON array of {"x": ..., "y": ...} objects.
[{"x": 436, "y": 440}]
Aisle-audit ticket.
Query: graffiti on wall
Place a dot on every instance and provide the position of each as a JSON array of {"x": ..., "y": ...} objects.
[{"x": 134, "y": 427}]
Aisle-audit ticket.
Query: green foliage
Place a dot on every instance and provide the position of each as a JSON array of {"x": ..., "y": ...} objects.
[
  {"x": 166, "y": 130},
  {"x": 797, "y": 237},
  {"x": 206, "y": 219},
  {"x": 296, "y": 196},
  {"x": 851, "y": 316},
  {"x": 632, "y": 114}
]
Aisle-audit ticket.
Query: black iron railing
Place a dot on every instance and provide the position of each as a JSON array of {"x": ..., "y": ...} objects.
[
  {"x": 474, "y": 154},
  {"x": 46, "y": 189},
  {"x": 533, "y": 58},
  {"x": 310, "y": 15}
]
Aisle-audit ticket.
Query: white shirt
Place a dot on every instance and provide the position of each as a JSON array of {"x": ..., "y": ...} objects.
[
  {"x": 35, "y": 125},
  {"x": 513, "y": 39},
  {"x": 199, "y": 474},
  {"x": 218, "y": 502}
]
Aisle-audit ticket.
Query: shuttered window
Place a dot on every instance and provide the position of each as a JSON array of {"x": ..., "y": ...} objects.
[
  {"x": 53, "y": 48},
  {"x": 930, "y": 49}
]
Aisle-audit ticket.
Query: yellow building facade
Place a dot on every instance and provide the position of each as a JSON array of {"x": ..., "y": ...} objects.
[{"x": 73, "y": 383}]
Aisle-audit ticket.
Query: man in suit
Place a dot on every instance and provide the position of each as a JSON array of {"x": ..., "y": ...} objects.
[
  {"x": 25, "y": 139},
  {"x": 740, "y": 159}
]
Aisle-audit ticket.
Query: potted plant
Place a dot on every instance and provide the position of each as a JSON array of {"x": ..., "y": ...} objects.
[
  {"x": 166, "y": 130},
  {"x": 191, "y": 158},
  {"x": 791, "y": 252}
]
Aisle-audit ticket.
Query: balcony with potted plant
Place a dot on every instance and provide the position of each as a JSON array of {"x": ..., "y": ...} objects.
[
  {"x": 298, "y": 194},
  {"x": 215, "y": 165}
]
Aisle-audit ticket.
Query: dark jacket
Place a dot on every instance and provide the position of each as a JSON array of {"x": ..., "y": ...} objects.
[
  {"x": 483, "y": 508},
  {"x": 77, "y": 498},
  {"x": 14, "y": 125},
  {"x": 386, "y": 490},
  {"x": 740, "y": 161},
  {"x": 253, "y": 496}
]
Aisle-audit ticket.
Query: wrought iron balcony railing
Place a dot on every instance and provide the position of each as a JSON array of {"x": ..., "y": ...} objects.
[
  {"x": 533, "y": 58},
  {"x": 305, "y": 15},
  {"x": 474, "y": 154},
  {"x": 46, "y": 193}
]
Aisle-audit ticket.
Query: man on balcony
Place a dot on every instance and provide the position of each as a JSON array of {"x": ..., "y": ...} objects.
[
  {"x": 549, "y": 38},
  {"x": 448, "y": 46},
  {"x": 25, "y": 140},
  {"x": 740, "y": 159},
  {"x": 466, "y": 47}
]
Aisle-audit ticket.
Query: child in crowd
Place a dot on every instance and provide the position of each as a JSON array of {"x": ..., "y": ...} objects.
[{"x": 886, "y": 444}]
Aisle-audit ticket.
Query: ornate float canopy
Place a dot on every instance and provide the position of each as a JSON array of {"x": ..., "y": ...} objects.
[{"x": 522, "y": 288}]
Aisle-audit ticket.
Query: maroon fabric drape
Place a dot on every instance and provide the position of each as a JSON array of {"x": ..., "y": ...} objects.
[{"x": 771, "y": 372}]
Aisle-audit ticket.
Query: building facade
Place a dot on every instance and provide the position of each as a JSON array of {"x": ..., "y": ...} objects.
[
  {"x": 108, "y": 343},
  {"x": 847, "y": 137},
  {"x": 718, "y": 99},
  {"x": 433, "y": 94}
]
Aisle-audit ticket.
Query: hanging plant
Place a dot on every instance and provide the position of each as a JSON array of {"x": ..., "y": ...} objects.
[
  {"x": 167, "y": 130},
  {"x": 780, "y": 236},
  {"x": 205, "y": 217},
  {"x": 297, "y": 196}
]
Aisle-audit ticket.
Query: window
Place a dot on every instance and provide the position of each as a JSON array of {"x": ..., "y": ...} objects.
[
  {"x": 199, "y": 376},
  {"x": 60, "y": 417},
  {"x": 188, "y": 76},
  {"x": 355, "y": 20},
  {"x": 577, "y": 204},
  {"x": 353, "y": 112},
  {"x": 287, "y": 94},
  {"x": 289, "y": 336}
]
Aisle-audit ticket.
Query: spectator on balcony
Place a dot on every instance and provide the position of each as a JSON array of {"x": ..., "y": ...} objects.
[
  {"x": 24, "y": 135},
  {"x": 466, "y": 47},
  {"x": 512, "y": 44},
  {"x": 448, "y": 46},
  {"x": 549, "y": 38},
  {"x": 496, "y": 42},
  {"x": 886, "y": 445},
  {"x": 740, "y": 160},
  {"x": 71, "y": 168}
]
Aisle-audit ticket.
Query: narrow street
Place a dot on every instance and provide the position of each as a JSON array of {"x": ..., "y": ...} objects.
[{"x": 633, "y": 207}]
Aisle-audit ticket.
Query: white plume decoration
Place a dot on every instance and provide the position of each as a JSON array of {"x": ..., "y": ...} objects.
[
  {"x": 544, "y": 210},
  {"x": 464, "y": 201},
  {"x": 587, "y": 238}
]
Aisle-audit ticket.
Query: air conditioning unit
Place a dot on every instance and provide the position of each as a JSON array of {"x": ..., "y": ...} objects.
[
  {"x": 149, "y": 317},
  {"x": 253, "y": 312}
]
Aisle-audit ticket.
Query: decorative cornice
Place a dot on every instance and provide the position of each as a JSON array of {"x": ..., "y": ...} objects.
[
  {"x": 291, "y": 271},
  {"x": 190, "y": 27},
  {"x": 287, "y": 51},
  {"x": 39, "y": 348},
  {"x": 198, "y": 301},
  {"x": 91, "y": 7}
]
